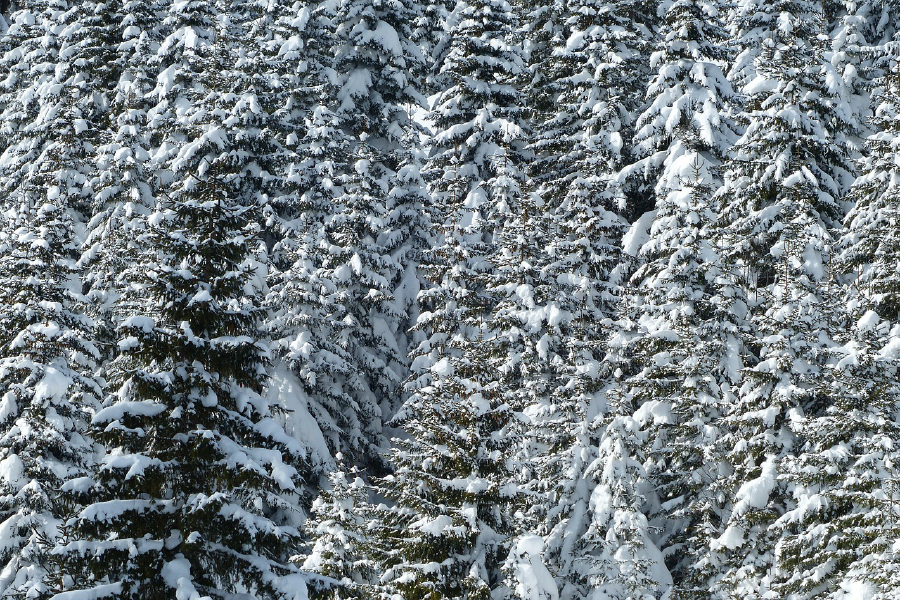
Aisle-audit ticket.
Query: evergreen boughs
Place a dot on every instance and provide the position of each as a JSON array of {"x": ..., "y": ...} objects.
[{"x": 549, "y": 300}]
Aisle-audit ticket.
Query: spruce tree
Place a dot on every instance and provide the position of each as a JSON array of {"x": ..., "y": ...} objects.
[
  {"x": 781, "y": 194},
  {"x": 688, "y": 350},
  {"x": 199, "y": 492},
  {"x": 49, "y": 110},
  {"x": 452, "y": 485},
  {"x": 870, "y": 245},
  {"x": 123, "y": 185},
  {"x": 474, "y": 170},
  {"x": 344, "y": 525},
  {"x": 844, "y": 477},
  {"x": 689, "y": 98},
  {"x": 46, "y": 385}
]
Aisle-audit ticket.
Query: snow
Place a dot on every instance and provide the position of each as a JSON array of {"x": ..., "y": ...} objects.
[
  {"x": 638, "y": 234},
  {"x": 53, "y": 385},
  {"x": 856, "y": 590},
  {"x": 533, "y": 580},
  {"x": 177, "y": 575},
  {"x": 755, "y": 493},
  {"x": 106, "y": 590},
  {"x": 286, "y": 391},
  {"x": 118, "y": 410},
  {"x": 12, "y": 471}
]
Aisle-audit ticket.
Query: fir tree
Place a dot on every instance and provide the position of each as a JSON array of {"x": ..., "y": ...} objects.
[
  {"x": 844, "y": 478},
  {"x": 48, "y": 113},
  {"x": 688, "y": 347},
  {"x": 452, "y": 486},
  {"x": 201, "y": 482},
  {"x": 781, "y": 196},
  {"x": 46, "y": 385},
  {"x": 343, "y": 524},
  {"x": 870, "y": 244}
]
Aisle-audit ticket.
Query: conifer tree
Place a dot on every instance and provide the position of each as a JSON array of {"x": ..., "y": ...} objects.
[
  {"x": 199, "y": 491},
  {"x": 47, "y": 393},
  {"x": 781, "y": 196},
  {"x": 474, "y": 170},
  {"x": 615, "y": 555},
  {"x": 453, "y": 488},
  {"x": 870, "y": 245},
  {"x": 123, "y": 185},
  {"x": 844, "y": 478},
  {"x": 48, "y": 113},
  {"x": 689, "y": 98},
  {"x": 691, "y": 320},
  {"x": 344, "y": 525}
]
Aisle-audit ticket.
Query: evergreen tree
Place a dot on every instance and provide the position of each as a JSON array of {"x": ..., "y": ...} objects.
[
  {"x": 870, "y": 244},
  {"x": 691, "y": 320},
  {"x": 46, "y": 385},
  {"x": 199, "y": 491},
  {"x": 588, "y": 68},
  {"x": 474, "y": 171},
  {"x": 453, "y": 488},
  {"x": 781, "y": 196},
  {"x": 123, "y": 185},
  {"x": 49, "y": 111},
  {"x": 689, "y": 98},
  {"x": 844, "y": 479},
  {"x": 352, "y": 242},
  {"x": 343, "y": 524},
  {"x": 616, "y": 555}
]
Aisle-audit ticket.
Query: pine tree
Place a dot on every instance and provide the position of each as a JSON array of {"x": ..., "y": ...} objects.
[
  {"x": 343, "y": 524},
  {"x": 123, "y": 185},
  {"x": 781, "y": 196},
  {"x": 870, "y": 244},
  {"x": 201, "y": 482},
  {"x": 46, "y": 385},
  {"x": 351, "y": 240},
  {"x": 616, "y": 555},
  {"x": 689, "y": 98},
  {"x": 688, "y": 348},
  {"x": 452, "y": 486},
  {"x": 474, "y": 170},
  {"x": 48, "y": 114},
  {"x": 589, "y": 69},
  {"x": 844, "y": 479}
]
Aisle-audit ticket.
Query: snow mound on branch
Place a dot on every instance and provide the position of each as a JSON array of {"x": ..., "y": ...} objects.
[{"x": 534, "y": 581}]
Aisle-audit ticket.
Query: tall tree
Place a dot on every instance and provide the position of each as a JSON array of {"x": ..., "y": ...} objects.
[
  {"x": 50, "y": 107},
  {"x": 781, "y": 196},
  {"x": 453, "y": 487},
  {"x": 199, "y": 492},
  {"x": 688, "y": 345},
  {"x": 870, "y": 245},
  {"x": 844, "y": 476}
]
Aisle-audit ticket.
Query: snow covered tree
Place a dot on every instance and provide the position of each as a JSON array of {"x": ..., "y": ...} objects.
[
  {"x": 691, "y": 320},
  {"x": 380, "y": 68},
  {"x": 453, "y": 488},
  {"x": 589, "y": 69},
  {"x": 871, "y": 243},
  {"x": 689, "y": 98},
  {"x": 47, "y": 393},
  {"x": 355, "y": 225},
  {"x": 123, "y": 184},
  {"x": 844, "y": 477},
  {"x": 198, "y": 493},
  {"x": 475, "y": 169},
  {"x": 608, "y": 548},
  {"x": 49, "y": 110},
  {"x": 783, "y": 183},
  {"x": 343, "y": 524}
]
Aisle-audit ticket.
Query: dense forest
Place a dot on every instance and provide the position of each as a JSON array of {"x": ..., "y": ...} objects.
[{"x": 438, "y": 299}]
